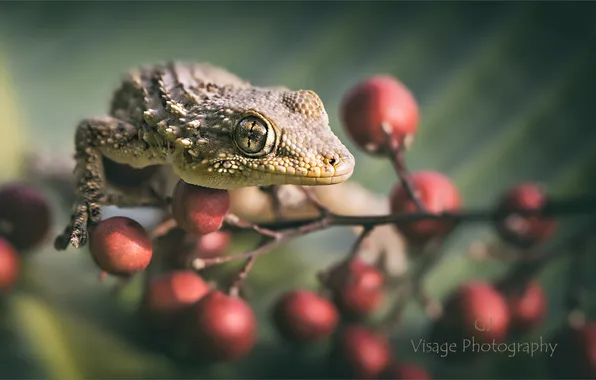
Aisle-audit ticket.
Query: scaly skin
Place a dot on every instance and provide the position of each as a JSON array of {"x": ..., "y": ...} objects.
[{"x": 216, "y": 131}]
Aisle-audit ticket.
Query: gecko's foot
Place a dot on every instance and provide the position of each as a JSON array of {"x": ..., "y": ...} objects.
[
  {"x": 77, "y": 232},
  {"x": 76, "y": 238}
]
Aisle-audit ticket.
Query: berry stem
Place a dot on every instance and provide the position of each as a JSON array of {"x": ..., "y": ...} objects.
[
  {"x": 163, "y": 228},
  {"x": 396, "y": 153},
  {"x": 241, "y": 276}
]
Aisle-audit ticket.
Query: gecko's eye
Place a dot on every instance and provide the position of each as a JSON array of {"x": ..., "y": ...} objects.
[{"x": 254, "y": 136}]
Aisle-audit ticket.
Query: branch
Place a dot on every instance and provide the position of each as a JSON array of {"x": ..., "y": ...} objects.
[{"x": 562, "y": 207}]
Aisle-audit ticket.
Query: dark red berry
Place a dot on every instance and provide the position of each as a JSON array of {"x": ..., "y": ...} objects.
[
  {"x": 121, "y": 246},
  {"x": 437, "y": 193},
  {"x": 25, "y": 216},
  {"x": 575, "y": 354},
  {"x": 475, "y": 310},
  {"x": 357, "y": 287},
  {"x": 524, "y": 230},
  {"x": 212, "y": 244},
  {"x": 372, "y": 102},
  {"x": 169, "y": 294},
  {"x": 199, "y": 210},
  {"x": 304, "y": 316},
  {"x": 527, "y": 307},
  {"x": 224, "y": 327},
  {"x": 405, "y": 371},
  {"x": 362, "y": 353},
  {"x": 10, "y": 265},
  {"x": 126, "y": 176}
]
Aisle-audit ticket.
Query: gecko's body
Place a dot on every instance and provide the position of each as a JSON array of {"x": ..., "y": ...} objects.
[{"x": 213, "y": 128}]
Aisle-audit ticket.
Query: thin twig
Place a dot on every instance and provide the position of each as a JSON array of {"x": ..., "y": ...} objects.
[
  {"x": 234, "y": 221},
  {"x": 267, "y": 245},
  {"x": 396, "y": 151},
  {"x": 241, "y": 276},
  {"x": 163, "y": 228}
]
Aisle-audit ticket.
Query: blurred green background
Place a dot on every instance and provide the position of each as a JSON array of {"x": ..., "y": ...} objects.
[{"x": 506, "y": 92}]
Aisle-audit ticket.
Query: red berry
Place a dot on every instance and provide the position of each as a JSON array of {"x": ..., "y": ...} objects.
[
  {"x": 437, "y": 193},
  {"x": 199, "y": 210},
  {"x": 304, "y": 316},
  {"x": 476, "y": 310},
  {"x": 357, "y": 288},
  {"x": 25, "y": 216},
  {"x": 169, "y": 294},
  {"x": 10, "y": 265},
  {"x": 224, "y": 327},
  {"x": 120, "y": 246},
  {"x": 524, "y": 230},
  {"x": 212, "y": 244},
  {"x": 123, "y": 175},
  {"x": 372, "y": 102},
  {"x": 362, "y": 353},
  {"x": 405, "y": 371},
  {"x": 575, "y": 354},
  {"x": 528, "y": 307}
]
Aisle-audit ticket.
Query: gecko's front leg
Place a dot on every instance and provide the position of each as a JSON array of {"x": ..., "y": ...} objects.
[{"x": 93, "y": 136}]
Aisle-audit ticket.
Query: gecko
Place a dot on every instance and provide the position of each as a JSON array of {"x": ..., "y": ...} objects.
[{"x": 213, "y": 128}]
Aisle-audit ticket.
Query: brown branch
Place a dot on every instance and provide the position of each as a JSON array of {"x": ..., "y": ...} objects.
[
  {"x": 265, "y": 246},
  {"x": 289, "y": 230},
  {"x": 562, "y": 207}
]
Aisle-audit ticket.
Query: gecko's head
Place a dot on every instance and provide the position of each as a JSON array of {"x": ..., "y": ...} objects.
[{"x": 261, "y": 137}]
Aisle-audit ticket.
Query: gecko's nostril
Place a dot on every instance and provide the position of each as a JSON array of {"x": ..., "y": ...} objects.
[{"x": 332, "y": 161}]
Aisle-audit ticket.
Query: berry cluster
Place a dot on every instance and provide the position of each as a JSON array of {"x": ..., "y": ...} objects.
[{"x": 215, "y": 322}]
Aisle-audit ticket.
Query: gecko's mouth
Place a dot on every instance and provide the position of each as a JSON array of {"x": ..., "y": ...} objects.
[
  {"x": 327, "y": 174},
  {"x": 232, "y": 175}
]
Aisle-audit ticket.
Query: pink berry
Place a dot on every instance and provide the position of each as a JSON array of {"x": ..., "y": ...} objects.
[
  {"x": 199, "y": 210},
  {"x": 121, "y": 246},
  {"x": 372, "y": 102}
]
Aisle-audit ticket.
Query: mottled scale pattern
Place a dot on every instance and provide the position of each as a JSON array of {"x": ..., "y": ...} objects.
[
  {"x": 190, "y": 112},
  {"x": 215, "y": 130}
]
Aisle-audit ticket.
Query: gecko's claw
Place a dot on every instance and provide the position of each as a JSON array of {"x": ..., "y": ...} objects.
[{"x": 76, "y": 233}]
